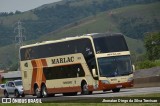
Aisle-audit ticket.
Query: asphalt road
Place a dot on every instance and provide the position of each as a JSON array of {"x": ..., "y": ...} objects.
[{"x": 97, "y": 94}]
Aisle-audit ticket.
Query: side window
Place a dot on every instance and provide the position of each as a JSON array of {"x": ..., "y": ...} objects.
[
  {"x": 60, "y": 72},
  {"x": 9, "y": 84}
]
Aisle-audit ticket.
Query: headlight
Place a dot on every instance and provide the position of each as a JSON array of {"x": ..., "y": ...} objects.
[
  {"x": 105, "y": 82},
  {"x": 130, "y": 79}
]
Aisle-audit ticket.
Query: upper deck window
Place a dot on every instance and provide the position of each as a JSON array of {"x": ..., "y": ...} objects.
[{"x": 106, "y": 44}]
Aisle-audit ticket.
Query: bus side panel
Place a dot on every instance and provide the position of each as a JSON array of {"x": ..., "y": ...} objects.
[
  {"x": 63, "y": 86},
  {"x": 32, "y": 73}
]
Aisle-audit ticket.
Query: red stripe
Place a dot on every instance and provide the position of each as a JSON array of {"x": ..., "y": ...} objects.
[
  {"x": 34, "y": 74},
  {"x": 34, "y": 65},
  {"x": 44, "y": 62},
  {"x": 64, "y": 89}
]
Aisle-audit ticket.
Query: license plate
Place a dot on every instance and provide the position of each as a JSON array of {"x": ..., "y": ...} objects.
[{"x": 119, "y": 86}]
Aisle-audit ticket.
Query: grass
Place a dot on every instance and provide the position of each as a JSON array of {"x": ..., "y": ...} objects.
[
  {"x": 157, "y": 62},
  {"x": 84, "y": 104},
  {"x": 147, "y": 64}
]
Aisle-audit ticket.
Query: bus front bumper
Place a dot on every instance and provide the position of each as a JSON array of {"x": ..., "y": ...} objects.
[{"x": 105, "y": 86}]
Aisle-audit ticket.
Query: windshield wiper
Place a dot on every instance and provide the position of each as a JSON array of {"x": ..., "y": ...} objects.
[{"x": 126, "y": 73}]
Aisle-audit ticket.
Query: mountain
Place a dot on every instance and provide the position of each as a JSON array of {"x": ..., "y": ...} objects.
[
  {"x": 50, "y": 17},
  {"x": 132, "y": 18}
]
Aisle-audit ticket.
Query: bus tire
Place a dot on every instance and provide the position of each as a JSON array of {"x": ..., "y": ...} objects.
[
  {"x": 44, "y": 91},
  {"x": 84, "y": 88},
  {"x": 116, "y": 90},
  {"x": 38, "y": 92}
]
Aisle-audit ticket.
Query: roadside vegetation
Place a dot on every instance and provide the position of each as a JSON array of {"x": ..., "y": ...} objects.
[{"x": 152, "y": 56}]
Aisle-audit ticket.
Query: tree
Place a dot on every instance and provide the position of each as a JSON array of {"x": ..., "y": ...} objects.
[
  {"x": 18, "y": 12},
  {"x": 152, "y": 44}
]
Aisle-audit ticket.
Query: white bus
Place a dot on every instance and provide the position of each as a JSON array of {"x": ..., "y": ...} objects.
[{"x": 92, "y": 62}]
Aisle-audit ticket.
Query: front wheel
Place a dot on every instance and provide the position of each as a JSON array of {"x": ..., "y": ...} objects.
[
  {"x": 85, "y": 90},
  {"x": 116, "y": 90}
]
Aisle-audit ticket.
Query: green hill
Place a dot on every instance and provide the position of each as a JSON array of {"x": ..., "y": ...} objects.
[
  {"x": 97, "y": 24},
  {"x": 50, "y": 17},
  {"x": 102, "y": 22}
]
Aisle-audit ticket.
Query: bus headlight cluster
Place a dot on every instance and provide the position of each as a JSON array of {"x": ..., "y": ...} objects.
[
  {"x": 130, "y": 79},
  {"x": 105, "y": 82}
]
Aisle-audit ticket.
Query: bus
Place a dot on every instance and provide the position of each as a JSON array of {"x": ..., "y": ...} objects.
[{"x": 87, "y": 63}]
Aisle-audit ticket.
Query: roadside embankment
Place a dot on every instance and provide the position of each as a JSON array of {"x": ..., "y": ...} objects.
[{"x": 147, "y": 77}]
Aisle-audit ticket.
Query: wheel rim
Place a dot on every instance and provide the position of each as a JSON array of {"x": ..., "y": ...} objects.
[
  {"x": 44, "y": 91},
  {"x": 85, "y": 89},
  {"x": 37, "y": 92}
]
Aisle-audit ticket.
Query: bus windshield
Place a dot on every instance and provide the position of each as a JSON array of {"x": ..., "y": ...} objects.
[
  {"x": 115, "y": 66},
  {"x": 106, "y": 44}
]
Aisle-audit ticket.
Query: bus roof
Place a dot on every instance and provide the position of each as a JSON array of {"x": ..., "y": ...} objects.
[
  {"x": 93, "y": 35},
  {"x": 96, "y": 35},
  {"x": 54, "y": 41}
]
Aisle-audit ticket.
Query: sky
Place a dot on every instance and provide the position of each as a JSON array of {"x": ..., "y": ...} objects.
[{"x": 22, "y": 5}]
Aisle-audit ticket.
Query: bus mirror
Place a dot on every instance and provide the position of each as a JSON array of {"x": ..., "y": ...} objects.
[
  {"x": 94, "y": 73},
  {"x": 133, "y": 68}
]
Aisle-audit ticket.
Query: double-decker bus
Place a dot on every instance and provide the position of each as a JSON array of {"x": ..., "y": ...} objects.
[{"x": 92, "y": 62}]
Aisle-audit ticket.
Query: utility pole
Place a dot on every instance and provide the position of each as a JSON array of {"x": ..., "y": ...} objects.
[{"x": 19, "y": 38}]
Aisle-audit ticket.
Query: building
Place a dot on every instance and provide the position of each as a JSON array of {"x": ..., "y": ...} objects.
[{"x": 11, "y": 75}]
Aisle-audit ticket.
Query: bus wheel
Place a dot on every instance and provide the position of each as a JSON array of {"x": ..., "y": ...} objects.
[
  {"x": 85, "y": 90},
  {"x": 44, "y": 91},
  {"x": 116, "y": 90},
  {"x": 38, "y": 92}
]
